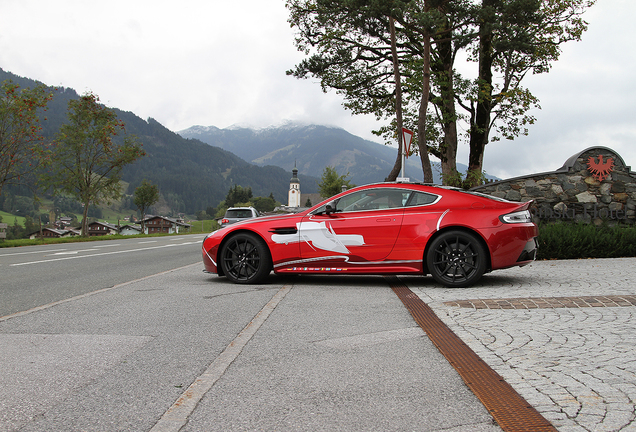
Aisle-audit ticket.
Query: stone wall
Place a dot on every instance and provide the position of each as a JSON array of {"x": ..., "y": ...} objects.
[{"x": 592, "y": 187}]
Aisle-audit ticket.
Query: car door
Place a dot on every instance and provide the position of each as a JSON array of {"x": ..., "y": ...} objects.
[{"x": 363, "y": 228}]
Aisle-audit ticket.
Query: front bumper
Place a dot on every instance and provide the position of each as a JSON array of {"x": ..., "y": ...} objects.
[{"x": 209, "y": 265}]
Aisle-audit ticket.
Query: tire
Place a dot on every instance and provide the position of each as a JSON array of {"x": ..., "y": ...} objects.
[
  {"x": 456, "y": 259},
  {"x": 245, "y": 259}
]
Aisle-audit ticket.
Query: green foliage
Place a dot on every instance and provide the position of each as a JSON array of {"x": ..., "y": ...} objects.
[
  {"x": 467, "y": 181},
  {"x": 331, "y": 183},
  {"x": 347, "y": 47},
  {"x": 22, "y": 146},
  {"x": 574, "y": 241},
  {"x": 264, "y": 204},
  {"x": 66, "y": 205},
  {"x": 190, "y": 174},
  {"x": 86, "y": 160},
  {"x": 238, "y": 194},
  {"x": 146, "y": 195}
]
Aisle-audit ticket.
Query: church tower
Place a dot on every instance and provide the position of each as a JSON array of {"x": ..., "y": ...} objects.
[{"x": 294, "y": 189}]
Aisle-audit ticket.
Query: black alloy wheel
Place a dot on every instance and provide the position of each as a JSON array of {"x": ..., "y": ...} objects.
[
  {"x": 456, "y": 259},
  {"x": 245, "y": 259}
]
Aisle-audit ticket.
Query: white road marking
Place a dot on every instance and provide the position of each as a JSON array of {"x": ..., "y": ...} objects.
[
  {"x": 177, "y": 415},
  {"x": 32, "y": 252},
  {"x": 74, "y": 252},
  {"x": 93, "y": 255}
]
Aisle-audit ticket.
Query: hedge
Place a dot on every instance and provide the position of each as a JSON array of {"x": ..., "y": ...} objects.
[{"x": 574, "y": 241}]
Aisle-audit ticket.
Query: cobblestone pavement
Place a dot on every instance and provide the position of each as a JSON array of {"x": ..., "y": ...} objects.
[{"x": 562, "y": 333}]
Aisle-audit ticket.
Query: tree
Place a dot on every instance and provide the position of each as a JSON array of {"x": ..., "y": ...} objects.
[
  {"x": 238, "y": 194},
  {"x": 349, "y": 49},
  {"x": 146, "y": 195},
  {"x": 264, "y": 204},
  {"x": 86, "y": 160},
  {"x": 22, "y": 148},
  {"x": 361, "y": 48},
  {"x": 331, "y": 183},
  {"x": 514, "y": 38}
]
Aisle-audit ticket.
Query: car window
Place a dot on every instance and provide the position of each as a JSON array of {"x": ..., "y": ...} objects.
[
  {"x": 422, "y": 198},
  {"x": 239, "y": 213},
  {"x": 373, "y": 199}
]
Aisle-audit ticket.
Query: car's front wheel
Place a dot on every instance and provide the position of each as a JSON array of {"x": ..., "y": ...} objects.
[
  {"x": 245, "y": 259},
  {"x": 456, "y": 259}
]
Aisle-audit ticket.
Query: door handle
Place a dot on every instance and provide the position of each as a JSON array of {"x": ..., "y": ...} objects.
[{"x": 386, "y": 219}]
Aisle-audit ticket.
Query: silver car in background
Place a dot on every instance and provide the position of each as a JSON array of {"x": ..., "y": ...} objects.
[{"x": 237, "y": 214}]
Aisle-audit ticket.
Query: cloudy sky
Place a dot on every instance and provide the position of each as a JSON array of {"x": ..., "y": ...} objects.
[{"x": 222, "y": 63}]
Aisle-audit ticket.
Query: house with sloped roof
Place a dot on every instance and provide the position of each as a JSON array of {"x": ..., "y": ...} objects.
[
  {"x": 162, "y": 224},
  {"x": 130, "y": 229},
  {"x": 101, "y": 228},
  {"x": 54, "y": 233}
]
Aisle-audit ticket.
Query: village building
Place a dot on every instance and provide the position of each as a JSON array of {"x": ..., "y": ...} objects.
[
  {"x": 130, "y": 230},
  {"x": 161, "y": 224},
  {"x": 294, "y": 190},
  {"x": 101, "y": 228},
  {"x": 54, "y": 233}
]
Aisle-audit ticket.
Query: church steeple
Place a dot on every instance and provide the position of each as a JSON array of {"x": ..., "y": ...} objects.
[{"x": 294, "y": 189}]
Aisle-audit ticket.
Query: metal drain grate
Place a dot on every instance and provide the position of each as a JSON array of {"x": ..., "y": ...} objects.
[{"x": 511, "y": 412}]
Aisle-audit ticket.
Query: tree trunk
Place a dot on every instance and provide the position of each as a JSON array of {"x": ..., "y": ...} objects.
[
  {"x": 84, "y": 231},
  {"x": 480, "y": 128},
  {"x": 448, "y": 148},
  {"x": 421, "y": 121},
  {"x": 398, "y": 104}
]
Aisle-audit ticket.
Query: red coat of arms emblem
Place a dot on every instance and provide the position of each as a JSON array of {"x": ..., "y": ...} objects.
[{"x": 601, "y": 170}]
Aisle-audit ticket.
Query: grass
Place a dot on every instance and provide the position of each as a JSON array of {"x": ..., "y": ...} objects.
[{"x": 10, "y": 219}]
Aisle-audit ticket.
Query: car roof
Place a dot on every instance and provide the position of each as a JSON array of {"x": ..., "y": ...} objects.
[{"x": 424, "y": 187}]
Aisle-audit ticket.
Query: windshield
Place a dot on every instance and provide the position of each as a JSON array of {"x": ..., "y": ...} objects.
[{"x": 369, "y": 199}]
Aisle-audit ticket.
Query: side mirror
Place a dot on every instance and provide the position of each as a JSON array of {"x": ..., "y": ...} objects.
[{"x": 330, "y": 208}]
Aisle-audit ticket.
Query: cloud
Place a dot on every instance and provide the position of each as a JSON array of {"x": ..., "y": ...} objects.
[{"x": 208, "y": 62}]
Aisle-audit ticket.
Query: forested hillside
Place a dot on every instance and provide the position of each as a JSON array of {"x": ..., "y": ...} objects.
[
  {"x": 191, "y": 175},
  {"x": 311, "y": 148}
]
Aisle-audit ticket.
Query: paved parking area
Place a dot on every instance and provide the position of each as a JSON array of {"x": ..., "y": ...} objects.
[{"x": 562, "y": 333}]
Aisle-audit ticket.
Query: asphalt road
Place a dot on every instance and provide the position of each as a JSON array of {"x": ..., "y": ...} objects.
[
  {"x": 36, "y": 275},
  {"x": 134, "y": 336}
]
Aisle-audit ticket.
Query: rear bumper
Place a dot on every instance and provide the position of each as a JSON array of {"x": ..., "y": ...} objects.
[
  {"x": 529, "y": 253},
  {"x": 515, "y": 246}
]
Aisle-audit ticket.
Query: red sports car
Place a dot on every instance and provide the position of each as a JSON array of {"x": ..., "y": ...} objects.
[{"x": 386, "y": 228}]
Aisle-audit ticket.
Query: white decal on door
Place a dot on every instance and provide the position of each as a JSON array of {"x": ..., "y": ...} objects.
[{"x": 320, "y": 236}]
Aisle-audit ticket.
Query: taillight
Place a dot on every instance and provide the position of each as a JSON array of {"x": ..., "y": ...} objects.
[
  {"x": 516, "y": 217},
  {"x": 224, "y": 221}
]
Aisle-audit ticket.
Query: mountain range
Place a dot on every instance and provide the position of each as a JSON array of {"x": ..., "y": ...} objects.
[
  {"x": 310, "y": 148},
  {"x": 195, "y": 168},
  {"x": 191, "y": 175}
]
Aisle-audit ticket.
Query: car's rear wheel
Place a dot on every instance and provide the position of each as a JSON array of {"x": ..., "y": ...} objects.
[
  {"x": 456, "y": 259},
  {"x": 245, "y": 259}
]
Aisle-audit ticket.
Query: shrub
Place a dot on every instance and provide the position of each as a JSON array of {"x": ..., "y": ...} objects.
[{"x": 573, "y": 241}]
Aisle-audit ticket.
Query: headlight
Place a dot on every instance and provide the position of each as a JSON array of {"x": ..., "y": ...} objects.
[
  {"x": 516, "y": 217},
  {"x": 210, "y": 235}
]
